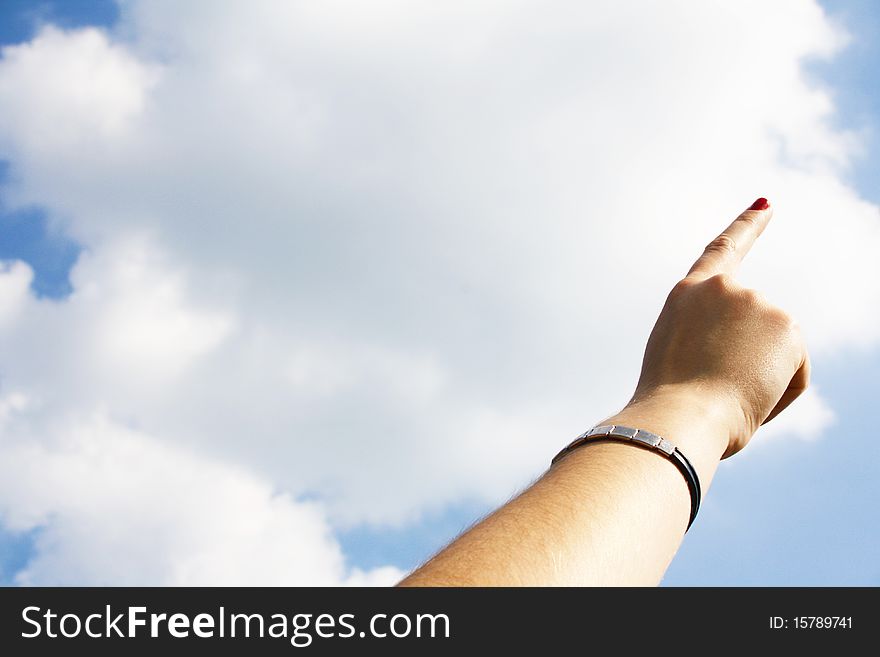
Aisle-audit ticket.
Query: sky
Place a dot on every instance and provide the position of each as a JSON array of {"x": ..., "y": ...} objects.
[{"x": 293, "y": 293}]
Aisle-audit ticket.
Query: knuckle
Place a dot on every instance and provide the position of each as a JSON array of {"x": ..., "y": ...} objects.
[
  {"x": 682, "y": 287},
  {"x": 754, "y": 297},
  {"x": 785, "y": 322},
  {"x": 793, "y": 330},
  {"x": 749, "y": 217},
  {"x": 724, "y": 244},
  {"x": 721, "y": 283}
]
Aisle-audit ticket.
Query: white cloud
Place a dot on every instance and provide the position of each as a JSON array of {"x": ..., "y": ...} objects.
[
  {"x": 144, "y": 326},
  {"x": 114, "y": 506},
  {"x": 396, "y": 254},
  {"x": 80, "y": 89},
  {"x": 14, "y": 292}
]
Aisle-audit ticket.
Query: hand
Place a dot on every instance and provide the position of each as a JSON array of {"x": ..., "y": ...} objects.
[{"x": 724, "y": 345}]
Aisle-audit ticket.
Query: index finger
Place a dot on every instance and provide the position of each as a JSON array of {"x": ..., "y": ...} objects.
[{"x": 725, "y": 252}]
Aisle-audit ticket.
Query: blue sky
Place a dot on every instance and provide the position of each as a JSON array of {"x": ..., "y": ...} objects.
[{"x": 795, "y": 514}]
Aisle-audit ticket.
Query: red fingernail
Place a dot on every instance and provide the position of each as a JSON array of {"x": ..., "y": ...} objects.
[{"x": 760, "y": 204}]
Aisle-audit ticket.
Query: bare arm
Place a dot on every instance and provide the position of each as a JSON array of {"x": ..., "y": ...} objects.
[{"x": 720, "y": 362}]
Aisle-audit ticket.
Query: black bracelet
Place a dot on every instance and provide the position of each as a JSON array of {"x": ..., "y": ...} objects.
[{"x": 648, "y": 440}]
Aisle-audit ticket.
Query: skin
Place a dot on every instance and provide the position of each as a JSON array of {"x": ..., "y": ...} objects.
[{"x": 720, "y": 362}]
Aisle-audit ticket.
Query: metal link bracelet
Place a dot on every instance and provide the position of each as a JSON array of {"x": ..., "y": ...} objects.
[{"x": 648, "y": 440}]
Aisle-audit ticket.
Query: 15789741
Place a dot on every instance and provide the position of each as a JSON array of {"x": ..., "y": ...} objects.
[{"x": 811, "y": 623}]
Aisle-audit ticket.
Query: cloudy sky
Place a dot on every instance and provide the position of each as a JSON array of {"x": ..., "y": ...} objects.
[{"x": 293, "y": 292}]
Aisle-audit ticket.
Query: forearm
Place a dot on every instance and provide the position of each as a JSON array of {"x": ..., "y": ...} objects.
[{"x": 608, "y": 513}]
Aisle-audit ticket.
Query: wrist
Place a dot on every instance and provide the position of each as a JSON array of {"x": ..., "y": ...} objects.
[{"x": 695, "y": 422}]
